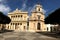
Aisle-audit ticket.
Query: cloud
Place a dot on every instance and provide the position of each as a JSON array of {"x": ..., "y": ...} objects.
[
  {"x": 24, "y": 5},
  {"x": 44, "y": 11},
  {"x": 1, "y": 0},
  {"x": 25, "y": 1},
  {"x": 4, "y": 7},
  {"x": 30, "y": 9}
]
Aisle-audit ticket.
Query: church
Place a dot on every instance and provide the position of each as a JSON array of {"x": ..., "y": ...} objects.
[{"x": 21, "y": 21}]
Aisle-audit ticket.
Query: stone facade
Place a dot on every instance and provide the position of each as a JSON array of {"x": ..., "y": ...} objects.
[
  {"x": 19, "y": 20},
  {"x": 36, "y": 21},
  {"x": 52, "y": 28}
]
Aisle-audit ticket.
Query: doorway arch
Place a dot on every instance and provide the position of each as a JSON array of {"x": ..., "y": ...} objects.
[{"x": 38, "y": 26}]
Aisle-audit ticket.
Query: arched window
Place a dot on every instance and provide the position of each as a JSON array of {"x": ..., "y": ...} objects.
[
  {"x": 20, "y": 23},
  {"x": 39, "y": 9},
  {"x": 21, "y": 15},
  {"x": 8, "y": 27},
  {"x": 11, "y": 23},
  {"x": 16, "y": 15}
]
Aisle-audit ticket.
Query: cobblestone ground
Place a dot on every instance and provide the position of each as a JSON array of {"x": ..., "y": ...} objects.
[{"x": 24, "y": 36}]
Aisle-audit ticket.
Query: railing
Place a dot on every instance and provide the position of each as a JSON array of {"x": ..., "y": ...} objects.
[{"x": 16, "y": 19}]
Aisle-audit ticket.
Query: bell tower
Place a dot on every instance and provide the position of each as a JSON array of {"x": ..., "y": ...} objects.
[
  {"x": 38, "y": 8},
  {"x": 36, "y": 21}
]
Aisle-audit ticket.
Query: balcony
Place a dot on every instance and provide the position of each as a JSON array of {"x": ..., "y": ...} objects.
[{"x": 18, "y": 19}]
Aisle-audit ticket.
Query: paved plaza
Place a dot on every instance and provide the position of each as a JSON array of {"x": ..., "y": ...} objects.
[{"x": 25, "y": 36}]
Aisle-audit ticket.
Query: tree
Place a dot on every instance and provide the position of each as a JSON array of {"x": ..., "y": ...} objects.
[
  {"x": 4, "y": 20},
  {"x": 54, "y": 18}
]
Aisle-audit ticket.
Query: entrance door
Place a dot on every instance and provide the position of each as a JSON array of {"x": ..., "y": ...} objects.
[
  {"x": 51, "y": 29},
  {"x": 38, "y": 26},
  {"x": 16, "y": 26}
]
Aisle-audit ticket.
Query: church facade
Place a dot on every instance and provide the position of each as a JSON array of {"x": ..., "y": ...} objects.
[{"x": 20, "y": 21}]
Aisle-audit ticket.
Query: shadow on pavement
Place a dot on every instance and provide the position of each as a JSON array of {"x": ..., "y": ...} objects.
[
  {"x": 50, "y": 34},
  {"x": 5, "y": 30}
]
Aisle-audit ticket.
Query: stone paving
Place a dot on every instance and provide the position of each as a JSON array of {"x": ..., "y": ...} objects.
[{"x": 25, "y": 36}]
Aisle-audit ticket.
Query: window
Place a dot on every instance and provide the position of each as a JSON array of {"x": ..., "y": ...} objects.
[
  {"x": 11, "y": 23},
  {"x": 18, "y": 15},
  {"x": 8, "y": 27},
  {"x": 20, "y": 23},
  {"x": 21, "y": 15},
  {"x": 12, "y": 16},
  {"x": 16, "y": 26},
  {"x": 39, "y": 9},
  {"x": 38, "y": 17},
  {"x": 15, "y": 23},
  {"x": 47, "y": 28}
]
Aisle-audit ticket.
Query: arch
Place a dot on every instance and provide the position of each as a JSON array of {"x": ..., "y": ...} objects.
[
  {"x": 47, "y": 29},
  {"x": 38, "y": 26},
  {"x": 39, "y": 9},
  {"x": 24, "y": 27}
]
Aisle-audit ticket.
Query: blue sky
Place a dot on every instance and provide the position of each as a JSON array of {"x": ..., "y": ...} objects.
[{"x": 27, "y": 5}]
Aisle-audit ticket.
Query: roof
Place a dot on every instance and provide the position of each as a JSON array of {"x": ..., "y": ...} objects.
[{"x": 18, "y": 11}]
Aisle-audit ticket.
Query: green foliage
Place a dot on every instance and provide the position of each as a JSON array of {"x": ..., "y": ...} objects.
[{"x": 4, "y": 19}]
